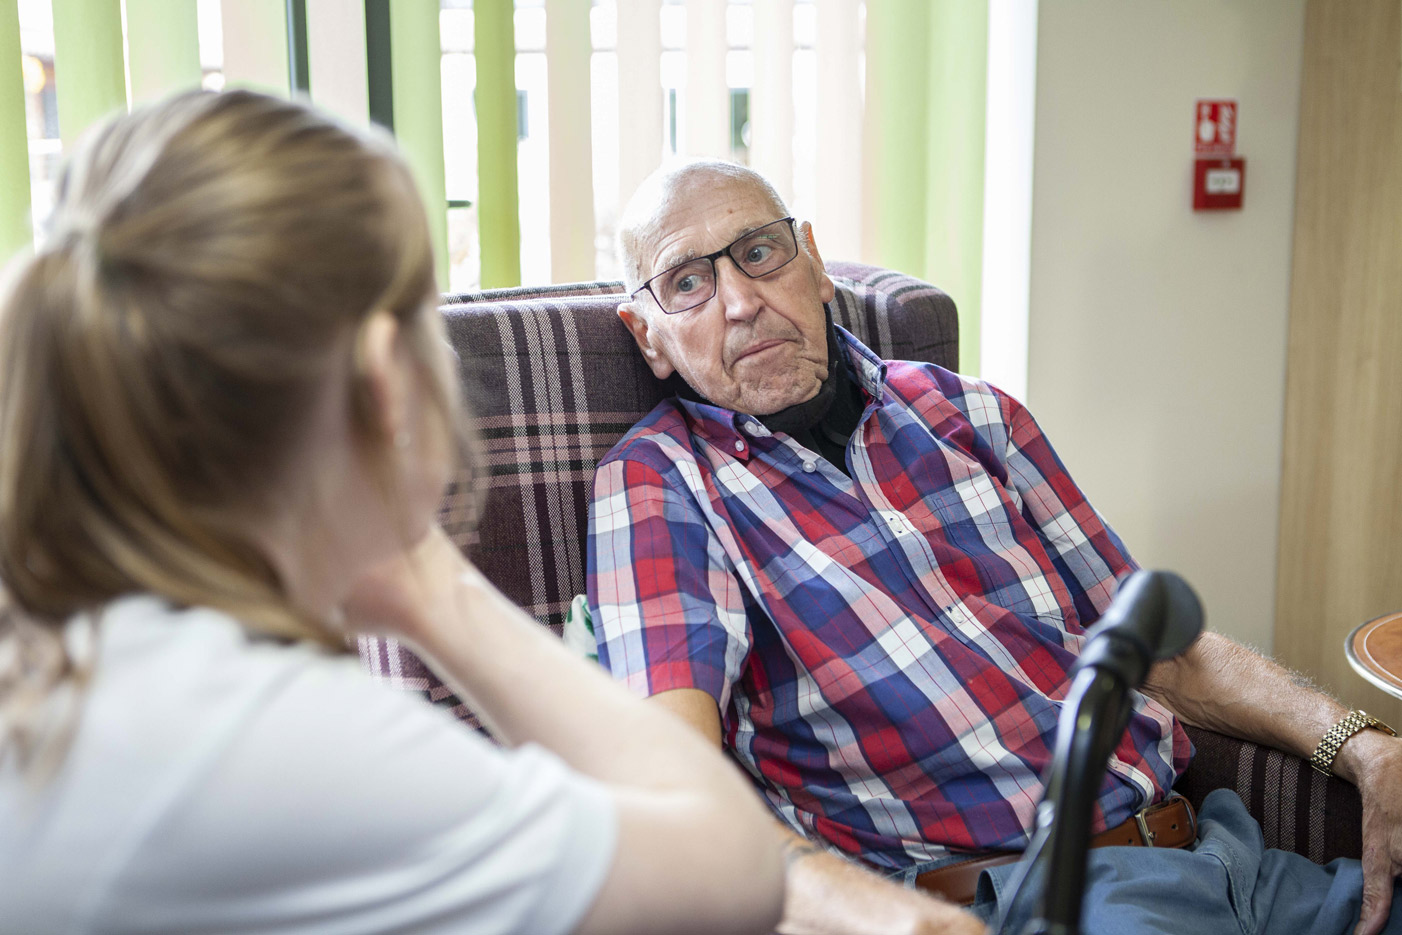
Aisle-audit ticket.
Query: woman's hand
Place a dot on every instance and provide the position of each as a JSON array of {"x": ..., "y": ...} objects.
[{"x": 408, "y": 594}]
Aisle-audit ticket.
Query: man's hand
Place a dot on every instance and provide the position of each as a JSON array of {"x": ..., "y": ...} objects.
[
  {"x": 1375, "y": 762},
  {"x": 827, "y": 895}
]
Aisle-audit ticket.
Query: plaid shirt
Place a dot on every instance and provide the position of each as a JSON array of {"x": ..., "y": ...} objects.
[{"x": 888, "y": 651}]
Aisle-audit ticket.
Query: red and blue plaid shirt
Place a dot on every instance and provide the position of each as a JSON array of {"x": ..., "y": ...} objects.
[{"x": 888, "y": 651}]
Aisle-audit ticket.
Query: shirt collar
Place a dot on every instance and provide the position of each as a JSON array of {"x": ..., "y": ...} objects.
[
  {"x": 870, "y": 369},
  {"x": 726, "y": 429}
]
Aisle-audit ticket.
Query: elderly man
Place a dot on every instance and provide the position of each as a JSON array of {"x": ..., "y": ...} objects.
[{"x": 868, "y": 580}]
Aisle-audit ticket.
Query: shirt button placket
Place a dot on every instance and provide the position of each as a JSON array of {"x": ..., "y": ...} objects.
[{"x": 897, "y": 523}]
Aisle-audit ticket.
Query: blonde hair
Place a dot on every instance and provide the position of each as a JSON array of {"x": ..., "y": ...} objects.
[{"x": 208, "y": 266}]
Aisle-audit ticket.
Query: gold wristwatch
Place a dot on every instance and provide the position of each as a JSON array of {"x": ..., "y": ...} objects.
[{"x": 1335, "y": 737}]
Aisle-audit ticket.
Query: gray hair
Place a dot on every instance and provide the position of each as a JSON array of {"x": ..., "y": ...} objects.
[{"x": 659, "y": 192}]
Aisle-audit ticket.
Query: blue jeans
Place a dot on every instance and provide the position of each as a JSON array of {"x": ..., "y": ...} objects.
[{"x": 1227, "y": 883}]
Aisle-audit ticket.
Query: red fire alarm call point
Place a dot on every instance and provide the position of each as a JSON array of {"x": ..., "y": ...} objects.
[{"x": 1219, "y": 178}]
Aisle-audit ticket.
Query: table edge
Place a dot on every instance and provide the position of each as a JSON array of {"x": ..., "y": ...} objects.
[{"x": 1387, "y": 683}]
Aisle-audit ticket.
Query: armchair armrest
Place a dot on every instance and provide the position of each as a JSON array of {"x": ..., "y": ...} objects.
[{"x": 1299, "y": 809}]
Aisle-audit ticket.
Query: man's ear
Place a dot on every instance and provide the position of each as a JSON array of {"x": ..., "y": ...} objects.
[
  {"x": 386, "y": 379},
  {"x": 643, "y": 333},
  {"x": 826, "y": 290}
]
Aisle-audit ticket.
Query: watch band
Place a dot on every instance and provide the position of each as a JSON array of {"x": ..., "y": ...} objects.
[{"x": 1335, "y": 737}]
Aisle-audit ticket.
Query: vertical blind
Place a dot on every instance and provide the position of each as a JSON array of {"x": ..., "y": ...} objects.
[{"x": 530, "y": 123}]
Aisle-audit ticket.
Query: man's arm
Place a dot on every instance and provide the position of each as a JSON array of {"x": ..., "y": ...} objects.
[
  {"x": 825, "y": 894},
  {"x": 1225, "y": 687}
]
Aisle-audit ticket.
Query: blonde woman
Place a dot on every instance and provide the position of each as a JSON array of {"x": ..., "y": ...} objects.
[{"x": 225, "y": 416}]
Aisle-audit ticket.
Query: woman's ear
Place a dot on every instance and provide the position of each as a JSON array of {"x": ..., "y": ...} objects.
[{"x": 378, "y": 353}]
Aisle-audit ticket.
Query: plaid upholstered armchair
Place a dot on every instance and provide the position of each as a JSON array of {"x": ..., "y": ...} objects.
[{"x": 555, "y": 380}]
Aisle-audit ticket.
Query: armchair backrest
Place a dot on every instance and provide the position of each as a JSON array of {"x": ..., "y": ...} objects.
[{"x": 555, "y": 380}]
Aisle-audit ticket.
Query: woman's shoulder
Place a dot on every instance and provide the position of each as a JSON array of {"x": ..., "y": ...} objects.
[
  {"x": 178, "y": 683},
  {"x": 309, "y": 775}
]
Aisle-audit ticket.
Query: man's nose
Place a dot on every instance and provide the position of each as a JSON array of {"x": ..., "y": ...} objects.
[{"x": 736, "y": 291}]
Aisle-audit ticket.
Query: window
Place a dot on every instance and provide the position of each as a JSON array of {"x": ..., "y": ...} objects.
[{"x": 607, "y": 135}]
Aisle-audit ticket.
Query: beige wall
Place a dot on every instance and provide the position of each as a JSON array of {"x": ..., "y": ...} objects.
[{"x": 1157, "y": 336}]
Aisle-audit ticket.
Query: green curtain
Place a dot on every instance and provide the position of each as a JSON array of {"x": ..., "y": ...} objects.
[
  {"x": 89, "y": 65},
  {"x": 163, "y": 48},
  {"x": 498, "y": 218},
  {"x": 415, "y": 56},
  {"x": 927, "y": 65},
  {"x": 14, "y": 139}
]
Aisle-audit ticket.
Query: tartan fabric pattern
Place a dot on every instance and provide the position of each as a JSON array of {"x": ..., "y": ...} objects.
[
  {"x": 555, "y": 380},
  {"x": 888, "y": 651},
  {"x": 883, "y": 315},
  {"x": 533, "y": 293},
  {"x": 1300, "y": 809}
]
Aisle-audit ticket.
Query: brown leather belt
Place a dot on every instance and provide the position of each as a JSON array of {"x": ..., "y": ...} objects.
[{"x": 1170, "y": 823}]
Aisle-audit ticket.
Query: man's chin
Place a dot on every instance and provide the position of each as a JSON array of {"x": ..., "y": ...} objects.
[
  {"x": 761, "y": 397},
  {"x": 766, "y": 404}
]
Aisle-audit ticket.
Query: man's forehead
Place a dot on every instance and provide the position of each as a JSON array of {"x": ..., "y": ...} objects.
[{"x": 704, "y": 219}]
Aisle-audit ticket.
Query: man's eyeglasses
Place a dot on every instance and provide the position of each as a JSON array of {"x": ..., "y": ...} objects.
[{"x": 693, "y": 283}]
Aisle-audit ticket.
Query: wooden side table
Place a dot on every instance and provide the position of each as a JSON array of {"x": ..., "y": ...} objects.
[{"x": 1375, "y": 652}]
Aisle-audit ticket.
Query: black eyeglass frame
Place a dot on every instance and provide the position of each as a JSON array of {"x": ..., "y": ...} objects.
[{"x": 711, "y": 258}]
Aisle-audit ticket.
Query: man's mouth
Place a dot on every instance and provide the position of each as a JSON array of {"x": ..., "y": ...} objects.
[{"x": 758, "y": 348}]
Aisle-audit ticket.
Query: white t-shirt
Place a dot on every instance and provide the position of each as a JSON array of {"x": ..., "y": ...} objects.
[{"x": 218, "y": 785}]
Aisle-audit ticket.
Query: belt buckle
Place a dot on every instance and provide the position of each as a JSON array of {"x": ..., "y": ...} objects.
[
  {"x": 1144, "y": 832},
  {"x": 1141, "y": 818}
]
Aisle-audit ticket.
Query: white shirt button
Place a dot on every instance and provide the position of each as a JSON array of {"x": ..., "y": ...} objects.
[
  {"x": 809, "y": 467},
  {"x": 739, "y": 445},
  {"x": 897, "y": 522}
]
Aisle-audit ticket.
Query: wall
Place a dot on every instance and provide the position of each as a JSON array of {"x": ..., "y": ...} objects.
[{"x": 1157, "y": 336}]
